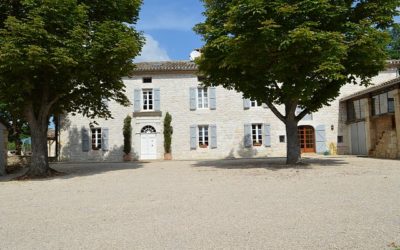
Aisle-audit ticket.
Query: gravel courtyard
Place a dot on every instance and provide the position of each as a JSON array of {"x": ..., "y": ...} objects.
[{"x": 329, "y": 203}]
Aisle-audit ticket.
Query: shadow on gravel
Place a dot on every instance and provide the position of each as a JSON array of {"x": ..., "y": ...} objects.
[
  {"x": 74, "y": 170},
  {"x": 273, "y": 163}
]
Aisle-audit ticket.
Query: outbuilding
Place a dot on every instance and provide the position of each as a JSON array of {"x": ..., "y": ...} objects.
[
  {"x": 371, "y": 121},
  {"x": 3, "y": 149}
]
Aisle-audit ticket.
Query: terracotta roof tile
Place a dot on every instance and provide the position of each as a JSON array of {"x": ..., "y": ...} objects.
[{"x": 165, "y": 66}]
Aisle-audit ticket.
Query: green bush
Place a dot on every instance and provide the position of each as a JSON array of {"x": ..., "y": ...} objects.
[
  {"x": 127, "y": 131},
  {"x": 167, "y": 133}
]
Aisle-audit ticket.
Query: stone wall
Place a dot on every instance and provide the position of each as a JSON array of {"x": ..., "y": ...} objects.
[{"x": 229, "y": 117}]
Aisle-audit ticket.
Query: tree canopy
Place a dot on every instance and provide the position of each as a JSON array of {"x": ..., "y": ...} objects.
[
  {"x": 65, "y": 56},
  {"x": 293, "y": 53},
  {"x": 394, "y": 45}
]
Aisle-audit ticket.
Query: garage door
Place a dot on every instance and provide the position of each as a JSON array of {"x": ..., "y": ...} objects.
[{"x": 358, "y": 139}]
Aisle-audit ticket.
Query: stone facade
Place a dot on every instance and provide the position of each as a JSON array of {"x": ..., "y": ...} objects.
[
  {"x": 378, "y": 125},
  {"x": 226, "y": 117},
  {"x": 3, "y": 149}
]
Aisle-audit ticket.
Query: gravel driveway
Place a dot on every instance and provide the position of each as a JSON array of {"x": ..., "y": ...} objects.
[{"x": 329, "y": 203}]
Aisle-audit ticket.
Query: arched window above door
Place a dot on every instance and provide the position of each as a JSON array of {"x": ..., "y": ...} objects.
[{"x": 148, "y": 130}]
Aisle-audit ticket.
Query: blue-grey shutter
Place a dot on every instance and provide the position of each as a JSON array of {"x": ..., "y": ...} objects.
[
  {"x": 104, "y": 139},
  {"x": 157, "y": 103},
  {"x": 213, "y": 98},
  {"x": 137, "y": 100},
  {"x": 247, "y": 136},
  {"x": 193, "y": 92},
  {"x": 267, "y": 135},
  {"x": 213, "y": 134},
  {"x": 320, "y": 139},
  {"x": 85, "y": 140},
  {"x": 193, "y": 137},
  {"x": 246, "y": 103}
]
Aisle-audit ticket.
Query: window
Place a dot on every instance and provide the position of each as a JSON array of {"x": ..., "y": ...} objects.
[
  {"x": 281, "y": 138},
  {"x": 203, "y": 136},
  {"x": 355, "y": 111},
  {"x": 256, "y": 132},
  {"x": 147, "y": 99},
  {"x": 202, "y": 98},
  {"x": 254, "y": 104},
  {"x": 96, "y": 138},
  {"x": 340, "y": 139},
  {"x": 383, "y": 103},
  {"x": 147, "y": 80}
]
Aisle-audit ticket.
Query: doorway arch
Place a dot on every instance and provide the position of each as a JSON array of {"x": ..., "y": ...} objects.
[
  {"x": 148, "y": 143},
  {"x": 306, "y": 136}
]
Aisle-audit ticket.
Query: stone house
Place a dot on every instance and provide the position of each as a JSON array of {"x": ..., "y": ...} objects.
[
  {"x": 371, "y": 121},
  {"x": 208, "y": 123},
  {"x": 3, "y": 148}
]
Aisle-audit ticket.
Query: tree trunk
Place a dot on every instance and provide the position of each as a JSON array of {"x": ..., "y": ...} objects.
[
  {"x": 39, "y": 166},
  {"x": 293, "y": 145}
]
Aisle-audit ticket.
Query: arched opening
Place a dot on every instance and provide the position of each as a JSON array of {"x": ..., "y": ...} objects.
[
  {"x": 148, "y": 130},
  {"x": 306, "y": 139}
]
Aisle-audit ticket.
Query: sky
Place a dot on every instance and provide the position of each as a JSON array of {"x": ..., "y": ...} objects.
[{"x": 168, "y": 29}]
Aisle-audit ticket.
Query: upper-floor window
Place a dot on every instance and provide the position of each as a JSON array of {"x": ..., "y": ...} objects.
[
  {"x": 307, "y": 117},
  {"x": 147, "y": 80},
  {"x": 96, "y": 138},
  {"x": 203, "y": 136},
  {"x": 202, "y": 98},
  {"x": 256, "y": 132},
  {"x": 383, "y": 103},
  {"x": 255, "y": 104},
  {"x": 148, "y": 99},
  {"x": 355, "y": 110}
]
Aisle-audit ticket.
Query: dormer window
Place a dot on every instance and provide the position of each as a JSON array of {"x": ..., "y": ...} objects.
[{"x": 147, "y": 80}]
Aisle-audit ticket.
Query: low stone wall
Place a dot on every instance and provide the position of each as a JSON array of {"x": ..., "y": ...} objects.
[{"x": 17, "y": 162}]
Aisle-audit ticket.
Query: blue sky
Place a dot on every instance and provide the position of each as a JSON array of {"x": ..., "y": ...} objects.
[{"x": 168, "y": 28}]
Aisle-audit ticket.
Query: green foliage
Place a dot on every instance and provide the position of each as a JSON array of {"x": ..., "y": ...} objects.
[
  {"x": 394, "y": 45},
  {"x": 167, "y": 133},
  {"x": 16, "y": 126},
  {"x": 67, "y": 55},
  {"x": 127, "y": 132},
  {"x": 293, "y": 52}
]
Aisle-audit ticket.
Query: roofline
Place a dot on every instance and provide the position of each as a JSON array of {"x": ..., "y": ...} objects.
[
  {"x": 164, "y": 68},
  {"x": 389, "y": 85}
]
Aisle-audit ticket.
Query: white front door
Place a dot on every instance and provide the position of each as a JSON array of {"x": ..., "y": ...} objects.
[{"x": 148, "y": 147}]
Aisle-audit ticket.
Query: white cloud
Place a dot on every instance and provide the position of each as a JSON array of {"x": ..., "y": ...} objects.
[{"x": 152, "y": 51}]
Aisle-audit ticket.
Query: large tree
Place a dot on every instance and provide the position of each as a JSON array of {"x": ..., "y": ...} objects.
[
  {"x": 293, "y": 53},
  {"x": 64, "y": 56}
]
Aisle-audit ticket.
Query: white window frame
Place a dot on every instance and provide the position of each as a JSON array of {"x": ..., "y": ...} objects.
[
  {"x": 96, "y": 139},
  {"x": 147, "y": 99},
  {"x": 203, "y": 98},
  {"x": 204, "y": 136},
  {"x": 255, "y": 104},
  {"x": 257, "y": 134}
]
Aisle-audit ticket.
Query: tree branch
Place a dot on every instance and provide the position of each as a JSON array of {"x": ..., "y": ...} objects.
[{"x": 276, "y": 112}]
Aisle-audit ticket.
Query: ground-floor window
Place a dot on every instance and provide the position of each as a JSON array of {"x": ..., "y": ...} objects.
[
  {"x": 203, "y": 136},
  {"x": 257, "y": 134},
  {"x": 96, "y": 138}
]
